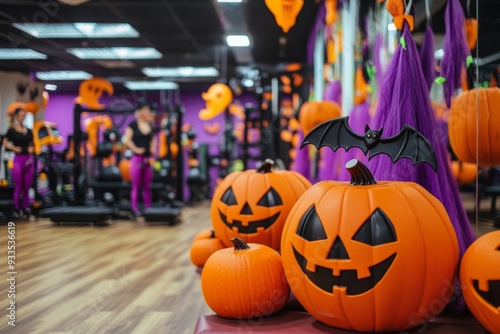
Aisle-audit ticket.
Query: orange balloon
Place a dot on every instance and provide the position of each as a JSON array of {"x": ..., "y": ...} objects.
[
  {"x": 124, "y": 167},
  {"x": 217, "y": 99},
  {"x": 293, "y": 67}
]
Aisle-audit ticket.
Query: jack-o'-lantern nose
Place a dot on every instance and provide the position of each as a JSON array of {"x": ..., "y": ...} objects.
[{"x": 246, "y": 210}]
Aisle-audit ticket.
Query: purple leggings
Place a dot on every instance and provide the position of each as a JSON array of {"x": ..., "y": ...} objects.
[
  {"x": 22, "y": 175},
  {"x": 141, "y": 175}
]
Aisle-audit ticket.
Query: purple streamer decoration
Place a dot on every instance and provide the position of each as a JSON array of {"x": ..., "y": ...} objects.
[
  {"x": 404, "y": 99},
  {"x": 427, "y": 57},
  {"x": 455, "y": 49}
]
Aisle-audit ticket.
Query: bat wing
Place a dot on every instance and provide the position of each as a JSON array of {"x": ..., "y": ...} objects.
[
  {"x": 410, "y": 144},
  {"x": 334, "y": 134}
]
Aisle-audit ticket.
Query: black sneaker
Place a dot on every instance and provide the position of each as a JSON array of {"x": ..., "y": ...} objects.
[{"x": 15, "y": 215}]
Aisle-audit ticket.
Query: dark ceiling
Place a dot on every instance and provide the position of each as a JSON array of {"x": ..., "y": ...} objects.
[
  {"x": 189, "y": 33},
  {"x": 186, "y": 32}
]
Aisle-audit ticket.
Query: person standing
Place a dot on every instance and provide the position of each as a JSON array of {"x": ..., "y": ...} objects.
[
  {"x": 139, "y": 138},
  {"x": 19, "y": 139}
]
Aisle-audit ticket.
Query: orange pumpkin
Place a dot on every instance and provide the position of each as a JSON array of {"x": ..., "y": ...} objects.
[
  {"x": 202, "y": 249},
  {"x": 464, "y": 173},
  {"x": 462, "y": 126},
  {"x": 244, "y": 282},
  {"x": 91, "y": 90},
  {"x": 480, "y": 279},
  {"x": 314, "y": 113},
  {"x": 471, "y": 33},
  {"x": 370, "y": 256},
  {"x": 285, "y": 12},
  {"x": 254, "y": 204}
]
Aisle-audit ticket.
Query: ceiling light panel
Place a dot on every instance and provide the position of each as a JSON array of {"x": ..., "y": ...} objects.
[
  {"x": 63, "y": 75},
  {"x": 151, "y": 85},
  {"x": 115, "y": 53},
  {"x": 180, "y": 72},
  {"x": 17, "y": 54},
  {"x": 78, "y": 30},
  {"x": 238, "y": 40}
]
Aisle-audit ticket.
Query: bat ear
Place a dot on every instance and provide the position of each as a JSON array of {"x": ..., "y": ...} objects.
[
  {"x": 380, "y": 131},
  {"x": 367, "y": 128}
]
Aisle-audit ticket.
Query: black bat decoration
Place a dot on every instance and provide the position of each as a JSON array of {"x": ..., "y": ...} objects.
[{"x": 409, "y": 143}]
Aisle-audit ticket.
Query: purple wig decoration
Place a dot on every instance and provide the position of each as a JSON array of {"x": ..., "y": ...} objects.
[
  {"x": 330, "y": 162},
  {"x": 302, "y": 164},
  {"x": 427, "y": 57},
  {"x": 455, "y": 49},
  {"x": 404, "y": 99},
  {"x": 333, "y": 92}
]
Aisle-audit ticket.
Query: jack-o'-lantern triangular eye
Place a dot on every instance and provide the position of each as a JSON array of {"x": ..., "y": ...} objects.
[
  {"x": 228, "y": 197},
  {"x": 377, "y": 230},
  {"x": 271, "y": 198},
  {"x": 310, "y": 226},
  {"x": 498, "y": 248}
]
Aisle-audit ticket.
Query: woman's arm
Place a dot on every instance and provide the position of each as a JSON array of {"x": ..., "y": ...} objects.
[
  {"x": 129, "y": 133},
  {"x": 8, "y": 145},
  {"x": 153, "y": 144}
]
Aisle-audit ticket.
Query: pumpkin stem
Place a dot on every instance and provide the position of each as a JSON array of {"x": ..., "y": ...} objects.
[
  {"x": 239, "y": 244},
  {"x": 212, "y": 234},
  {"x": 266, "y": 167},
  {"x": 360, "y": 174}
]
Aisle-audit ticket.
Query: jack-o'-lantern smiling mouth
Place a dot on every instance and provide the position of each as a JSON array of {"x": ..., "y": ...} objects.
[
  {"x": 324, "y": 279},
  {"x": 252, "y": 225},
  {"x": 492, "y": 296}
]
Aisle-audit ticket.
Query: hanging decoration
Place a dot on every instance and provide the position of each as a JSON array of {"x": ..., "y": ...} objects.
[
  {"x": 217, "y": 99},
  {"x": 456, "y": 51},
  {"x": 285, "y": 12},
  {"x": 404, "y": 99},
  {"x": 91, "y": 90}
]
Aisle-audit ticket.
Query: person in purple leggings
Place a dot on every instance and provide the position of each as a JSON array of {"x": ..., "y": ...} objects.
[
  {"x": 19, "y": 139},
  {"x": 139, "y": 138}
]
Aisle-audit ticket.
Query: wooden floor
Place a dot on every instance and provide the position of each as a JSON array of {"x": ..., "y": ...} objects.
[{"x": 125, "y": 278}]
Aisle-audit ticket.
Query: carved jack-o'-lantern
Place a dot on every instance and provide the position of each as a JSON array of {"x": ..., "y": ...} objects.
[
  {"x": 480, "y": 279},
  {"x": 354, "y": 254},
  {"x": 253, "y": 205},
  {"x": 91, "y": 90}
]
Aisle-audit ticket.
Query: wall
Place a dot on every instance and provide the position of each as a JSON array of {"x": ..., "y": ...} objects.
[{"x": 9, "y": 94}]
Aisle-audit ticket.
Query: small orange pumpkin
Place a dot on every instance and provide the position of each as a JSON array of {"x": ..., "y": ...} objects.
[
  {"x": 480, "y": 279},
  {"x": 471, "y": 33},
  {"x": 355, "y": 253},
  {"x": 314, "y": 113},
  {"x": 464, "y": 172},
  {"x": 245, "y": 282},
  {"x": 254, "y": 204},
  {"x": 462, "y": 126},
  {"x": 202, "y": 249}
]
